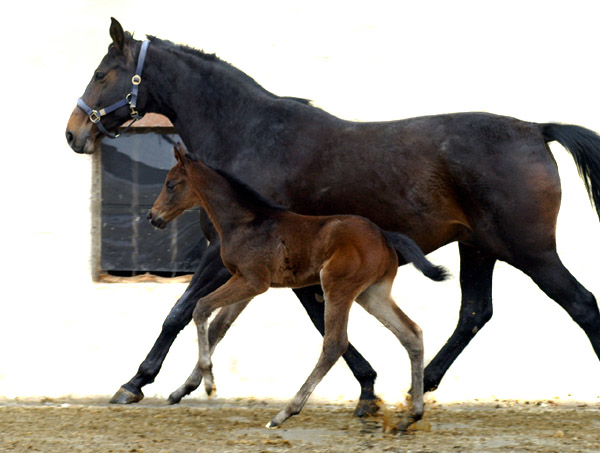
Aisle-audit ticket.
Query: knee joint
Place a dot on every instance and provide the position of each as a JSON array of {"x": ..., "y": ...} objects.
[{"x": 201, "y": 314}]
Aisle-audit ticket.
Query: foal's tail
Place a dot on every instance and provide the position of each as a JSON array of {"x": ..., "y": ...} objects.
[
  {"x": 584, "y": 146},
  {"x": 408, "y": 249}
]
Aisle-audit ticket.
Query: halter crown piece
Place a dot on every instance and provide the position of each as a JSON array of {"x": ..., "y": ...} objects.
[{"x": 131, "y": 98}]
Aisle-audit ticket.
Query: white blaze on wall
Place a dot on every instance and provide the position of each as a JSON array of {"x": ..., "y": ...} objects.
[{"x": 62, "y": 334}]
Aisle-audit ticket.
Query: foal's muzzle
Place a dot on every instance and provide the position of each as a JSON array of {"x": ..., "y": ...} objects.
[{"x": 156, "y": 222}]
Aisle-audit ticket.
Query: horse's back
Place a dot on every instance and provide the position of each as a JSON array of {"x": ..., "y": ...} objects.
[{"x": 474, "y": 177}]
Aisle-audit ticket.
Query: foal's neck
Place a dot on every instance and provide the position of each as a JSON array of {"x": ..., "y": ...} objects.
[{"x": 226, "y": 205}]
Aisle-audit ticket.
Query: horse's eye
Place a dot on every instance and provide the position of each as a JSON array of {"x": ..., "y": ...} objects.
[
  {"x": 100, "y": 75},
  {"x": 171, "y": 185}
]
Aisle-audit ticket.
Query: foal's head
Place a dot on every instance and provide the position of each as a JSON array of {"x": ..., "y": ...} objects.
[{"x": 176, "y": 195}]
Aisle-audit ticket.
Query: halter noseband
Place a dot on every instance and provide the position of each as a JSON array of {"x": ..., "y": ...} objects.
[{"x": 131, "y": 99}]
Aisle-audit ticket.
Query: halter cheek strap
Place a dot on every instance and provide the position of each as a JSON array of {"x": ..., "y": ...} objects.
[{"x": 130, "y": 99}]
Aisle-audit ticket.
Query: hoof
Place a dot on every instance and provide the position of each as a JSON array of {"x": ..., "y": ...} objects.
[
  {"x": 429, "y": 385},
  {"x": 410, "y": 424},
  {"x": 124, "y": 396},
  {"x": 271, "y": 425},
  {"x": 402, "y": 428},
  {"x": 211, "y": 390},
  {"x": 174, "y": 399},
  {"x": 367, "y": 407}
]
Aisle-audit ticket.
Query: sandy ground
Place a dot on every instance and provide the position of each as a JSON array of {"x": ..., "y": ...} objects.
[{"x": 64, "y": 425}]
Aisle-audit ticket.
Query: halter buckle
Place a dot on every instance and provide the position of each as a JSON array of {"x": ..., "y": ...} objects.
[
  {"x": 94, "y": 116},
  {"x": 134, "y": 112}
]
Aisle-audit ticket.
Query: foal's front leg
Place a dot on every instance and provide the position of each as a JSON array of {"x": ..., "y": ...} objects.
[
  {"x": 237, "y": 289},
  {"x": 218, "y": 327},
  {"x": 205, "y": 349}
]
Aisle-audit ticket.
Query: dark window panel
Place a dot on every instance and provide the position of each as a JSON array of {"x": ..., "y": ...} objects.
[{"x": 134, "y": 168}]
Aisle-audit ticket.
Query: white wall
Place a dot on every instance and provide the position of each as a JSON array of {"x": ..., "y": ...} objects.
[{"x": 62, "y": 334}]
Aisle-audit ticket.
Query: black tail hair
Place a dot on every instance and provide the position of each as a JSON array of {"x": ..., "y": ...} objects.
[
  {"x": 584, "y": 146},
  {"x": 409, "y": 250}
]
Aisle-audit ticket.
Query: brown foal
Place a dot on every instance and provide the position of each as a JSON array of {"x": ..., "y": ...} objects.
[{"x": 264, "y": 245}]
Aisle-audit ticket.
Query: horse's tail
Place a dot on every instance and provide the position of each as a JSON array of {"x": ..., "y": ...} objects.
[
  {"x": 408, "y": 249},
  {"x": 584, "y": 146}
]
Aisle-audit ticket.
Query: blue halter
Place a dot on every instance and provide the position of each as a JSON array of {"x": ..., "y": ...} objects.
[{"x": 131, "y": 99}]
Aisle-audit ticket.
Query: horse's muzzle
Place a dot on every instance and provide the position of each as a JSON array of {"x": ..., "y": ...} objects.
[{"x": 79, "y": 133}]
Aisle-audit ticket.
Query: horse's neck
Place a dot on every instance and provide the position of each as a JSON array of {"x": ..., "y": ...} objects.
[
  {"x": 208, "y": 102},
  {"x": 219, "y": 200}
]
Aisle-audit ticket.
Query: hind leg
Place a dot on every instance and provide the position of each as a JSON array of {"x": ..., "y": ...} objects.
[
  {"x": 312, "y": 300},
  {"x": 548, "y": 272},
  {"x": 335, "y": 342},
  {"x": 378, "y": 301},
  {"x": 476, "y": 269}
]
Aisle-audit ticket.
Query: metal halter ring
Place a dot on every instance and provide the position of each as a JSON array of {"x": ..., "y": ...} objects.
[
  {"x": 94, "y": 116},
  {"x": 136, "y": 79}
]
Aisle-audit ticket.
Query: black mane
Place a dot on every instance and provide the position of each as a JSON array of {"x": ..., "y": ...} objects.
[
  {"x": 211, "y": 57},
  {"x": 185, "y": 49}
]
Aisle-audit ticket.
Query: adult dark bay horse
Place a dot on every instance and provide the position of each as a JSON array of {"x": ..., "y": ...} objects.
[{"x": 488, "y": 182}]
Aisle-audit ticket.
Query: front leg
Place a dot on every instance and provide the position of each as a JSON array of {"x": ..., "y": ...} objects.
[
  {"x": 238, "y": 291},
  {"x": 209, "y": 275},
  {"x": 218, "y": 327},
  {"x": 205, "y": 346}
]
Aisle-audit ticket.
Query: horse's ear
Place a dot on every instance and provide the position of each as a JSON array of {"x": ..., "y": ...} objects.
[{"x": 117, "y": 34}]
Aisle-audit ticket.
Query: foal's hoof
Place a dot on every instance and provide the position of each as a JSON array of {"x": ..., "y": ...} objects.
[
  {"x": 271, "y": 425},
  {"x": 211, "y": 390},
  {"x": 412, "y": 424},
  {"x": 174, "y": 398},
  {"x": 124, "y": 396},
  {"x": 367, "y": 407}
]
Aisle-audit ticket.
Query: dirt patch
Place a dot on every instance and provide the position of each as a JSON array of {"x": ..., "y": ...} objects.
[{"x": 225, "y": 426}]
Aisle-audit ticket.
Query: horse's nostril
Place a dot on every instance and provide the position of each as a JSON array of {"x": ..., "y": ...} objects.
[
  {"x": 70, "y": 137},
  {"x": 149, "y": 216}
]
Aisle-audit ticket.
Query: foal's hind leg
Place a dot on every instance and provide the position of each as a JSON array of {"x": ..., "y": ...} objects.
[
  {"x": 361, "y": 369},
  {"x": 378, "y": 301},
  {"x": 335, "y": 342}
]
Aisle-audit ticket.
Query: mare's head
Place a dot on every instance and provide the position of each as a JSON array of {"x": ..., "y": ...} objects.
[
  {"x": 176, "y": 195},
  {"x": 110, "y": 86}
]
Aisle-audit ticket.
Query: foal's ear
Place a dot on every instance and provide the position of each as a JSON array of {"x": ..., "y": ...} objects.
[
  {"x": 117, "y": 34},
  {"x": 180, "y": 154}
]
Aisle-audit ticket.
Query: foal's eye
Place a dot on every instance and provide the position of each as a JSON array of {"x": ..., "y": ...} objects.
[
  {"x": 171, "y": 185},
  {"x": 99, "y": 75}
]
